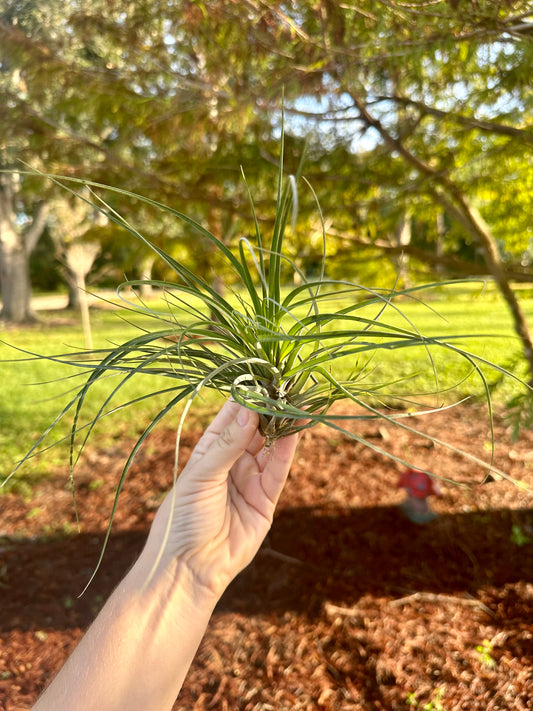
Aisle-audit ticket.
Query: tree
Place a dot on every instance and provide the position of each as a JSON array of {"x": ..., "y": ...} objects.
[
  {"x": 112, "y": 94},
  {"x": 439, "y": 90},
  {"x": 73, "y": 228},
  {"x": 17, "y": 242},
  {"x": 414, "y": 109}
]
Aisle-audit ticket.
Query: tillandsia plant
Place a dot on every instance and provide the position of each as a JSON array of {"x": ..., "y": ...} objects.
[{"x": 276, "y": 350}]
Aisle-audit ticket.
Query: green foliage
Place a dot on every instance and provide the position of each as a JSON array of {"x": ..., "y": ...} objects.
[
  {"x": 169, "y": 98},
  {"x": 34, "y": 390},
  {"x": 519, "y": 538},
  {"x": 435, "y": 703},
  {"x": 484, "y": 652},
  {"x": 520, "y": 412}
]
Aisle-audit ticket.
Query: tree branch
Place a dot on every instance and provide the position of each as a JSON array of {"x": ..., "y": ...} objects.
[
  {"x": 452, "y": 263},
  {"x": 470, "y": 121}
]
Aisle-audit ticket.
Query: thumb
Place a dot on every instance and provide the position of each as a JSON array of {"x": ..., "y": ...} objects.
[{"x": 232, "y": 440}]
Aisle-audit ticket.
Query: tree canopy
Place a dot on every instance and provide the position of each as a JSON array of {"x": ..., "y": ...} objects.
[{"x": 417, "y": 117}]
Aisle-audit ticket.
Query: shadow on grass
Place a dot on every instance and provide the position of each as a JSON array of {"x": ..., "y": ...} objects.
[{"x": 310, "y": 557}]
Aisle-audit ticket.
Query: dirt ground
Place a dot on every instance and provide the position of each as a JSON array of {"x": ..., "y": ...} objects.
[{"x": 348, "y": 605}]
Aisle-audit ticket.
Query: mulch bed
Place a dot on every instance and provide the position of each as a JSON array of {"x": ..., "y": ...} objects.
[{"x": 348, "y": 605}]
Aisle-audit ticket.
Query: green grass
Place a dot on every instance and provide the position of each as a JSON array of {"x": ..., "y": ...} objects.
[
  {"x": 31, "y": 391},
  {"x": 34, "y": 391},
  {"x": 484, "y": 316}
]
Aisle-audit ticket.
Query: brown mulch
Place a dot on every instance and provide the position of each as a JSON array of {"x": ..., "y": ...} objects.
[{"x": 348, "y": 605}]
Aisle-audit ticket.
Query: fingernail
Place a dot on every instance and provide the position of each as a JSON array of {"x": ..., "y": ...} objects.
[{"x": 243, "y": 416}]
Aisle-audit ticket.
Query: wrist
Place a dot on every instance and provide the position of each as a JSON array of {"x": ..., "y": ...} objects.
[{"x": 172, "y": 581}]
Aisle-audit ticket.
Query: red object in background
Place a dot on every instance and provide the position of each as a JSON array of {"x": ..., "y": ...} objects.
[{"x": 418, "y": 484}]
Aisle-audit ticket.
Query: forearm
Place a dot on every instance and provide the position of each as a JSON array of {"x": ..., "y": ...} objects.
[{"x": 139, "y": 649}]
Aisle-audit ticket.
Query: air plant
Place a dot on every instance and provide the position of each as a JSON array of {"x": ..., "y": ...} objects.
[{"x": 274, "y": 350}]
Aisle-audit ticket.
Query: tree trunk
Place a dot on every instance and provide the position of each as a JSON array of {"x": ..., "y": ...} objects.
[
  {"x": 473, "y": 222},
  {"x": 16, "y": 246},
  {"x": 402, "y": 237},
  {"x": 15, "y": 283},
  {"x": 73, "y": 303},
  {"x": 79, "y": 258},
  {"x": 84, "y": 312},
  {"x": 146, "y": 289}
]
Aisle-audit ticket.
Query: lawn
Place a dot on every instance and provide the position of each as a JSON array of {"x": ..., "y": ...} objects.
[{"x": 34, "y": 391}]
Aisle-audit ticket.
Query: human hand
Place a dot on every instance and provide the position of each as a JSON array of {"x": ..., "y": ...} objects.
[
  {"x": 138, "y": 650},
  {"x": 222, "y": 505}
]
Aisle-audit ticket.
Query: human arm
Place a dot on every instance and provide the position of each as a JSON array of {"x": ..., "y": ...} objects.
[{"x": 138, "y": 650}]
